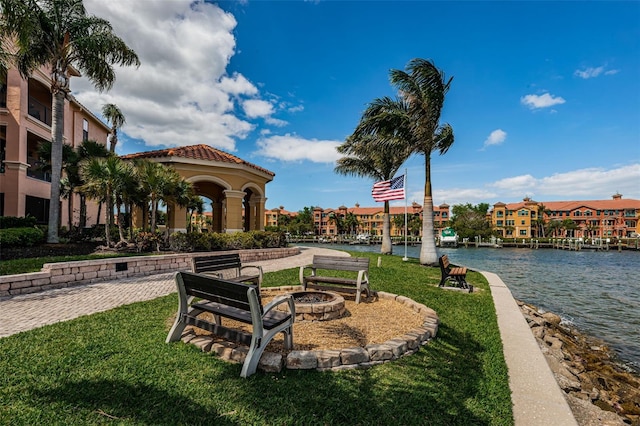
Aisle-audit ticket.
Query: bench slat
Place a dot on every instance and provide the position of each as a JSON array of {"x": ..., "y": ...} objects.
[{"x": 337, "y": 263}]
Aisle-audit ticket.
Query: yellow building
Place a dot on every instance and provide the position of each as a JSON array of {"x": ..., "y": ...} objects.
[{"x": 580, "y": 219}]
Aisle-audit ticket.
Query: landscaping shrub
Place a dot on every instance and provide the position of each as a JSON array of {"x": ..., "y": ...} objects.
[
  {"x": 7, "y": 222},
  {"x": 20, "y": 237},
  {"x": 214, "y": 241}
]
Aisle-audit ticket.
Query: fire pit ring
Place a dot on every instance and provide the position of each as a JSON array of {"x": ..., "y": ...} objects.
[{"x": 317, "y": 305}]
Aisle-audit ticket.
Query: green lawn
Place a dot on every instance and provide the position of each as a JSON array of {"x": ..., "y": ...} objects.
[{"x": 114, "y": 368}]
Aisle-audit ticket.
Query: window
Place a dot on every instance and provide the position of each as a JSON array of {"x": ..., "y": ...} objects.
[
  {"x": 38, "y": 208},
  {"x": 523, "y": 212},
  {"x": 444, "y": 215},
  {"x": 3, "y": 92},
  {"x": 577, "y": 213},
  {"x": 511, "y": 222},
  {"x": 3, "y": 147},
  {"x": 85, "y": 130},
  {"x": 523, "y": 232},
  {"x": 522, "y": 222},
  {"x": 499, "y": 223},
  {"x": 588, "y": 213},
  {"x": 499, "y": 213}
]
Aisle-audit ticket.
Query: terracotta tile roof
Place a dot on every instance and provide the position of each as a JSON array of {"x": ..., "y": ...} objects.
[
  {"x": 619, "y": 204},
  {"x": 197, "y": 152}
]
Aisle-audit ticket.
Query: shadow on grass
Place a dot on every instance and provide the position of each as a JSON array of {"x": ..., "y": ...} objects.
[{"x": 429, "y": 387}]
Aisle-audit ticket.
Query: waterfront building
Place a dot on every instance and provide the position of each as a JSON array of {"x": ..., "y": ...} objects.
[
  {"x": 369, "y": 219},
  {"x": 25, "y": 122},
  {"x": 615, "y": 218}
]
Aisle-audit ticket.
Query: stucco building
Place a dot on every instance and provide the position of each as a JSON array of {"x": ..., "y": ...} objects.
[
  {"x": 617, "y": 217},
  {"x": 25, "y": 122},
  {"x": 370, "y": 219}
]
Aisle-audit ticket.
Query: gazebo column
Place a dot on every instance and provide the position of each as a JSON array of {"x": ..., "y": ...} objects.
[
  {"x": 217, "y": 217},
  {"x": 177, "y": 218},
  {"x": 258, "y": 220},
  {"x": 234, "y": 210}
]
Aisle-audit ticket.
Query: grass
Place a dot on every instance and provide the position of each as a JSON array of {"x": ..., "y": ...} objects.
[{"x": 114, "y": 368}]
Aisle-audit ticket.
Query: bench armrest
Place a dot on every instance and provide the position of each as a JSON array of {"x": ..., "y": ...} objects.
[
  {"x": 302, "y": 269},
  {"x": 258, "y": 268},
  {"x": 280, "y": 300}
]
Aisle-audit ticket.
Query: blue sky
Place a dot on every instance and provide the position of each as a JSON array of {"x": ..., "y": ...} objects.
[{"x": 545, "y": 99}]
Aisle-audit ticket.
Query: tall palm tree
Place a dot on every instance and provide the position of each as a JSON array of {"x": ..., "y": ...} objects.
[
  {"x": 59, "y": 35},
  {"x": 377, "y": 156},
  {"x": 415, "y": 117},
  {"x": 116, "y": 119},
  {"x": 88, "y": 149}
]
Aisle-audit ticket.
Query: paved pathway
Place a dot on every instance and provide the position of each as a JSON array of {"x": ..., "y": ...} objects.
[
  {"x": 536, "y": 396},
  {"x": 28, "y": 311}
]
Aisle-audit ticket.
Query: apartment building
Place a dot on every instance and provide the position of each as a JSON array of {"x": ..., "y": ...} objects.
[
  {"x": 25, "y": 122},
  {"x": 369, "y": 219},
  {"x": 579, "y": 219}
]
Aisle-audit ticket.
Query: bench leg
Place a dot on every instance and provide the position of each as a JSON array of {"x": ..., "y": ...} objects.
[{"x": 176, "y": 331}]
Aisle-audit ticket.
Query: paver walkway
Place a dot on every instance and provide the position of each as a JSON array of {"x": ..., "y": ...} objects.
[{"x": 29, "y": 311}]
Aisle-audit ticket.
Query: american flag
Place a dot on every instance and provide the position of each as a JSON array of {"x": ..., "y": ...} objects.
[{"x": 389, "y": 189}]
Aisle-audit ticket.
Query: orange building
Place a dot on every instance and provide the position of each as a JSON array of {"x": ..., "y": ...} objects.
[
  {"x": 579, "y": 219},
  {"x": 25, "y": 122},
  {"x": 368, "y": 220}
]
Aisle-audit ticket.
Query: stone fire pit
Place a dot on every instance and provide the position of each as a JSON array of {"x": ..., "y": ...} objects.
[{"x": 317, "y": 305}]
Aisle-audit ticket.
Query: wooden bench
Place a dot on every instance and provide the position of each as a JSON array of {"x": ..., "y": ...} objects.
[
  {"x": 456, "y": 274},
  {"x": 237, "y": 301},
  {"x": 228, "y": 267},
  {"x": 335, "y": 263}
]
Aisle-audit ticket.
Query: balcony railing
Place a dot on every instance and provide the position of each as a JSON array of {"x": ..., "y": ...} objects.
[{"x": 39, "y": 111}]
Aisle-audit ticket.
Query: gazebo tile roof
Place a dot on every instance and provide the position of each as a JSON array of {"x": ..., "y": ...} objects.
[{"x": 197, "y": 152}]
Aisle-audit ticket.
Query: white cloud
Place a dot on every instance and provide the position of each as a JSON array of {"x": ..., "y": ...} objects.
[
  {"x": 181, "y": 94},
  {"x": 590, "y": 183},
  {"x": 541, "y": 101},
  {"x": 591, "y": 72},
  {"x": 495, "y": 138},
  {"x": 257, "y": 108},
  {"x": 295, "y": 148},
  {"x": 297, "y": 108}
]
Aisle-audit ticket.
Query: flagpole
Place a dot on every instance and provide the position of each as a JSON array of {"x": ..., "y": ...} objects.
[{"x": 405, "y": 258}]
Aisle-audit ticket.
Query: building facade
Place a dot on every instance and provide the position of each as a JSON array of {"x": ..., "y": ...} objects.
[
  {"x": 25, "y": 122},
  {"x": 368, "y": 220},
  {"x": 615, "y": 218}
]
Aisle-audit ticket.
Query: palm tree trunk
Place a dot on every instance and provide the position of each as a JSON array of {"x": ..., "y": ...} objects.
[
  {"x": 386, "y": 247},
  {"x": 57, "y": 126},
  {"x": 83, "y": 211},
  {"x": 428, "y": 251},
  {"x": 120, "y": 225}
]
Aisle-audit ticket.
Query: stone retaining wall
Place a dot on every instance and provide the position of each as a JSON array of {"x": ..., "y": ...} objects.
[
  {"x": 66, "y": 274},
  {"x": 322, "y": 360}
]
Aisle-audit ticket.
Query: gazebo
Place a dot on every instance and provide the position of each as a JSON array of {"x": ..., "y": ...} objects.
[{"x": 235, "y": 186}]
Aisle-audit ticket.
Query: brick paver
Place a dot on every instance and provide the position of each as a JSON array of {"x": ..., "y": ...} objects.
[{"x": 28, "y": 311}]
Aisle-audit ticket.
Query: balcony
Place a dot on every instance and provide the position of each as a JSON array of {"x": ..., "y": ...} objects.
[{"x": 39, "y": 111}]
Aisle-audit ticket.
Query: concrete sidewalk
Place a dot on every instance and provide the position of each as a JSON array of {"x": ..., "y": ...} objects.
[{"x": 537, "y": 398}]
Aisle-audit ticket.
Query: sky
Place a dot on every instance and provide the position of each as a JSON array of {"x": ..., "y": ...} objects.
[{"x": 544, "y": 102}]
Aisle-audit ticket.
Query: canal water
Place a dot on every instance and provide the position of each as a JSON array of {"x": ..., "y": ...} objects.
[{"x": 597, "y": 292}]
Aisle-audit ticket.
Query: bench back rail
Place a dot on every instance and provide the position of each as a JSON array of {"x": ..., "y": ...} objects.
[
  {"x": 217, "y": 265},
  {"x": 337, "y": 263},
  {"x": 237, "y": 301}
]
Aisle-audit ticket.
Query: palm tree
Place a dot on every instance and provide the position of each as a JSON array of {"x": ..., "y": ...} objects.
[
  {"x": 377, "y": 156},
  {"x": 415, "y": 117},
  {"x": 59, "y": 35},
  {"x": 88, "y": 149},
  {"x": 351, "y": 222},
  {"x": 105, "y": 180},
  {"x": 114, "y": 116}
]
